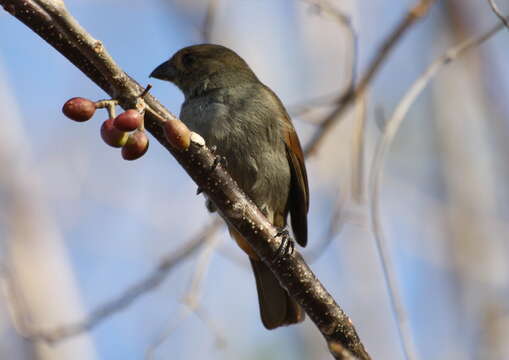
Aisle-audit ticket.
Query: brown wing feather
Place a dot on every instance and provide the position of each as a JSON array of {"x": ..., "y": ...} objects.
[{"x": 298, "y": 202}]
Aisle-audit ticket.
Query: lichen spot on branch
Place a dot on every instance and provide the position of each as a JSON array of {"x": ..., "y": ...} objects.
[{"x": 98, "y": 47}]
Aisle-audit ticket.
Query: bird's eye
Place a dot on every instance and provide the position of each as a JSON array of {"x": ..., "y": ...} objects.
[{"x": 188, "y": 60}]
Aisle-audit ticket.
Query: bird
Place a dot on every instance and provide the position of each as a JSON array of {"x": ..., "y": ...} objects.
[{"x": 247, "y": 125}]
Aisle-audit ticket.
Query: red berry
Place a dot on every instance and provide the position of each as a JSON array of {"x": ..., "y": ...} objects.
[
  {"x": 113, "y": 136},
  {"x": 128, "y": 121},
  {"x": 79, "y": 109},
  {"x": 177, "y": 134},
  {"x": 136, "y": 146}
]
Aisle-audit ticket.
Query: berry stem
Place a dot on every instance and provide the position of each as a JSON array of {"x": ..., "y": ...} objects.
[
  {"x": 147, "y": 89},
  {"x": 109, "y": 105}
]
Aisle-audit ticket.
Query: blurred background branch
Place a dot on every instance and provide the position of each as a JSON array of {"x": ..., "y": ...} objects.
[
  {"x": 497, "y": 12},
  {"x": 352, "y": 93},
  {"x": 377, "y": 167}
]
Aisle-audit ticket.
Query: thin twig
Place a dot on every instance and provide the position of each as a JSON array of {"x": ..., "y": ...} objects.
[
  {"x": 376, "y": 175},
  {"x": 346, "y": 99},
  {"x": 358, "y": 147},
  {"x": 497, "y": 12},
  {"x": 219, "y": 334}
]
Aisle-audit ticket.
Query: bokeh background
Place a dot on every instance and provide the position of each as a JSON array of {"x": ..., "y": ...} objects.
[{"x": 78, "y": 225}]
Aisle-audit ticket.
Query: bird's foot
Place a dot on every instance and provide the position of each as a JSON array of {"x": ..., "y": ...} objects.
[
  {"x": 218, "y": 159},
  {"x": 287, "y": 246}
]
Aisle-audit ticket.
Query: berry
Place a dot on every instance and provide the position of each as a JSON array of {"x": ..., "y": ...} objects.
[
  {"x": 113, "y": 136},
  {"x": 177, "y": 134},
  {"x": 128, "y": 121},
  {"x": 79, "y": 109},
  {"x": 136, "y": 146}
]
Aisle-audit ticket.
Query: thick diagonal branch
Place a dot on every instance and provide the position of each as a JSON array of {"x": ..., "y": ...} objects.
[{"x": 54, "y": 24}]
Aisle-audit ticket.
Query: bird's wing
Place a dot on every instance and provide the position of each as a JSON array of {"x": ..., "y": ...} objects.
[{"x": 298, "y": 202}]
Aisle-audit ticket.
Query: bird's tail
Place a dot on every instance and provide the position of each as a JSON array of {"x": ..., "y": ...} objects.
[{"x": 277, "y": 308}]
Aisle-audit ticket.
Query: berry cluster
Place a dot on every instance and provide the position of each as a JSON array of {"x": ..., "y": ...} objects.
[{"x": 123, "y": 131}]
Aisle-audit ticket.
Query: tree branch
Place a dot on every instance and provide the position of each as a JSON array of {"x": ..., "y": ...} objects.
[{"x": 50, "y": 19}]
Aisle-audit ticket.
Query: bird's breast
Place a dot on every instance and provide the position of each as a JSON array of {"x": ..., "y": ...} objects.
[{"x": 250, "y": 142}]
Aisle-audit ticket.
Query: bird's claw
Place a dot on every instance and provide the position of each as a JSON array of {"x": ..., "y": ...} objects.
[
  {"x": 287, "y": 246},
  {"x": 218, "y": 159}
]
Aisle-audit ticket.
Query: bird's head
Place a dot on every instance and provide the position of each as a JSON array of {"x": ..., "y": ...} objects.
[{"x": 199, "y": 68}]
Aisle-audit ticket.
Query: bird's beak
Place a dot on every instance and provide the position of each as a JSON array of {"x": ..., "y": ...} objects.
[{"x": 165, "y": 71}]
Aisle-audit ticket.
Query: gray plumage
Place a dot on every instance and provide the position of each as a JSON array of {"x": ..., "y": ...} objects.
[{"x": 240, "y": 122}]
